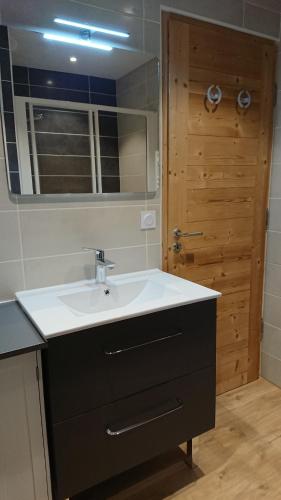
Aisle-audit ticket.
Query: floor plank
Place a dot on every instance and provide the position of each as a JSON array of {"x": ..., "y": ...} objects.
[{"x": 240, "y": 459}]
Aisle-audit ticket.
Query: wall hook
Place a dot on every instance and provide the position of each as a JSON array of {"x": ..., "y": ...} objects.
[
  {"x": 214, "y": 96},
  {"x": 244, "y": 99}
]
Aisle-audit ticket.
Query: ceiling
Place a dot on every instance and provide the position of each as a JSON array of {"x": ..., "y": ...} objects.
[
  {"x": 28, "y": 20},
  {"x": 30, "y": 49}
]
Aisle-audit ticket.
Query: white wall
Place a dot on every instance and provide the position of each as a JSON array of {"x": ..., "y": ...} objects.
[{"x": 40, "y": 244}]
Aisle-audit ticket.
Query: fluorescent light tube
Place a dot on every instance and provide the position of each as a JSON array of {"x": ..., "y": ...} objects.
[
  {"x": 76, "y": 41},
  {"x": 91, "y": 28}
]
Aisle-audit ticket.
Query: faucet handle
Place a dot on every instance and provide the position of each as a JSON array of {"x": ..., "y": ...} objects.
[{"x": 99, "y": 252}]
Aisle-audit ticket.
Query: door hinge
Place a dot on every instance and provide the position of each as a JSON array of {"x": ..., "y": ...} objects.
[
  {"x": 262, "y": 329},
  {"x": 267, "y": 213},
  {"x": 275, "y": 94},
  {"x": 37, "y": 373}
]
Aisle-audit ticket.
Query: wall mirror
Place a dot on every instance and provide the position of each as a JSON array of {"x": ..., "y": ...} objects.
[{"x": 78, "y": 119}]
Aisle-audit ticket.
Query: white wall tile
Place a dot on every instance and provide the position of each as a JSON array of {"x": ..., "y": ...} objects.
[
  {"x": 127, "y": 260},
  {"x": 272, "y": 310},
  {"x": 278, "y": 80},
  {"x": 274, "y": 5},
  {"x": 271, "y": 343},
  {"x": 152, "y": 38},
  {"x": 56, "y": 232},
  {"x": 151, "y": 8},
  {"x": 154, "y": 257},
  {"x": 5, "y": 202},
  {"x": 275, "y": 187},
  {"x": 228, "y": 11},
  {"x": 11, "y": 279},
  {"x": 273, "y": 254},
  {"x": 49, "y": 271},
  {"x": 131, "y": 7},
  {"x": 261, "y": 20},
  {"x": 154, "y": 235},
  {"x": 276, "y": 156},
  {"x": 273, "y": 279},
  {"x": 275, "y": 211},
  {"x": 9, "y": 236},
  {"x": 271, "y": 368}
]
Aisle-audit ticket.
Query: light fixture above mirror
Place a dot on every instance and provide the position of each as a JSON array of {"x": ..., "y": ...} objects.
[
  {"x": 91, "y": 43},
  {"x": 88, "y": 27}
]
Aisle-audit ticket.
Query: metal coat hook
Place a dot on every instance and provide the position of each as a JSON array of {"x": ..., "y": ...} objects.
[
  {"x": 244, "y": 99},
  {"x": 214, "y": 96}
]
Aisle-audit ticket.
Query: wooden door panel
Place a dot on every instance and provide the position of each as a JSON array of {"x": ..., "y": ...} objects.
[
  {"x": 220, "y": 203},
  {"x": 227, "y": 121},
  {"x": 202, "y": 77},
  {"x": 233, "y": 318},
  {"x": 231, "y": 369},
  {"x": 208, "y": 150},
  {"x": 226, "y": 269},
  {"x": 216, "y": 170},
  {"x": 218, "y": 50},
  {"x": 213, "y": 255},
  {"x": 229, "y": 91},
  {"x": 216, "y": 233},
  {"x": 219, "y": 176},
  {"x": 232, "y": 383},
  {"x": 228, "y": 278}
]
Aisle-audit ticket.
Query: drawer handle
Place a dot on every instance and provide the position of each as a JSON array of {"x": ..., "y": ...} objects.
[
  {"x": 138, "y": 346},
  {"x": 129, "y": 428}
]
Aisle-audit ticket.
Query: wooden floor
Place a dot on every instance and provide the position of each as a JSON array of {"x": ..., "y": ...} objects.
[{"x": 240, "y": 459}]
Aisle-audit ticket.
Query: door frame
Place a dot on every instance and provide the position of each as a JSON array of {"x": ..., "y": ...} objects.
[{"x": 263, "y": 175}]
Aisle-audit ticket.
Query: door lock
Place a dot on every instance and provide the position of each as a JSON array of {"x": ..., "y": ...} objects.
[{"x": 177, "y": 247}]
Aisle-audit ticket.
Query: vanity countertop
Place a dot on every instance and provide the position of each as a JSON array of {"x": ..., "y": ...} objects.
[
  {"x": 17, "y": 333},
  {"x": 77, "y": 306}
]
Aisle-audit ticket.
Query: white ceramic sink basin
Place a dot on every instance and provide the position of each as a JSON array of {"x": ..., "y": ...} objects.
[
  {"x": 114, "y": 295},
  {"x": 66, "y": 308}
]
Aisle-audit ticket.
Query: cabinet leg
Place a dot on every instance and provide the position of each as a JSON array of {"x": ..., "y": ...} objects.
[{"x": 188, "y": 459}]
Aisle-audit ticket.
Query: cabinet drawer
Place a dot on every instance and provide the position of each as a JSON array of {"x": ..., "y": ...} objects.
[
  {"x": 97, "y": 445},
  {"x": 89, "y": 369}
]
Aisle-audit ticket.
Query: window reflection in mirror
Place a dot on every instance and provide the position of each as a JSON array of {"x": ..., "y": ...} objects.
[{"x": 88, "y": 127}]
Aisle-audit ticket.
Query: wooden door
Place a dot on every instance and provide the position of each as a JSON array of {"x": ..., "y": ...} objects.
[{"x": 216, "y": 169}]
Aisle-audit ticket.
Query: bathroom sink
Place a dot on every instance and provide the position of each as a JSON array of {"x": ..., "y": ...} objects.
[
  {"x": 62, "y": 309},
  {"x": 113, "y": 295}
]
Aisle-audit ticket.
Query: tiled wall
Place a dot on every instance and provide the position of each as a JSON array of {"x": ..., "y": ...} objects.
[
  {"x": 138, "y": 89},
  {"x": 8, "y": 109},
  {"x": 271, "y": 345},
  {"x": 41, "y": 243},
  {"x": 32, "y": 82}
]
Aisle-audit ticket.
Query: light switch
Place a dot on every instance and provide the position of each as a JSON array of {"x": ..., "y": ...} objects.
[{"x": 148, "y": 219}]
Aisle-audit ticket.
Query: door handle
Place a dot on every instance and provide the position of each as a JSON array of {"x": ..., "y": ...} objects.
[{"x": 179, "y": 234}]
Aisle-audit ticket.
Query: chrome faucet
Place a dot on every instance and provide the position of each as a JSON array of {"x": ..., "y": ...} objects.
[{"x": 101, "y": 265}]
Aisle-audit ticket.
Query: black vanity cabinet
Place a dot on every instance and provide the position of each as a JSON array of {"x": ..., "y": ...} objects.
[{"x": 119, "y": 394}]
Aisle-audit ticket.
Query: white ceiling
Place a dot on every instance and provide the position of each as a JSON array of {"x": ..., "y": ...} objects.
[
  {"x": 27, "y": 19},
  {"x": 30, "y": 49}
]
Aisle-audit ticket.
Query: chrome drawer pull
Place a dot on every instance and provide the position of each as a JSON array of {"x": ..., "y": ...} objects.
[
  {"x": 138, "y": 346},
  {"x": 129, "y": 428},
  {"x": 178, "y": 234}
]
